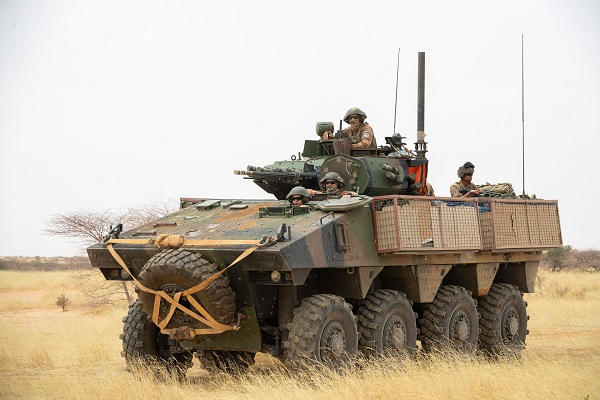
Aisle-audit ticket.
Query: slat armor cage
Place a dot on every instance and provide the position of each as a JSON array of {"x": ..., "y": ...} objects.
[
  {"x": 417, "y": 223},
  {"x": 427, "y": 224},
  {"x": 508, "y": 224}
]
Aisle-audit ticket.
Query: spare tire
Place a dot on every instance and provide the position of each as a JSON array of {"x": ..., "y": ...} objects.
[{"x": 175, "y": 270}]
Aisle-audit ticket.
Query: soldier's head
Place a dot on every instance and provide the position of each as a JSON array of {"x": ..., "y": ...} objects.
[
  {"x": 298, "y": 196},
  {"x": 355, "y": 117},
  {"x": 332, "y": 182},
  {"x": 465, "y": 172}
]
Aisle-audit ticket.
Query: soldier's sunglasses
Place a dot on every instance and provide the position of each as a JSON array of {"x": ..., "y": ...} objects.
[
  {"x": 296, "y": 198},
  {"x": 330, "y": 182}
]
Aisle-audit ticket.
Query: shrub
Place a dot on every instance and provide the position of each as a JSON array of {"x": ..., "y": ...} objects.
[
  {"x": 63, "y": 301},
  {"x": 555, "y": 258}
]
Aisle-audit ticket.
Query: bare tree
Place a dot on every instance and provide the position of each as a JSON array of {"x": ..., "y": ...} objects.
[
  {"x": 90, "y": 227},
  {"x": 145, "y": 214},
  {"x": 86, "y": 226}
]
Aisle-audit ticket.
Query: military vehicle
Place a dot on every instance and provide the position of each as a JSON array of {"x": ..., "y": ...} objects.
[{"x": 370, "y": 273}]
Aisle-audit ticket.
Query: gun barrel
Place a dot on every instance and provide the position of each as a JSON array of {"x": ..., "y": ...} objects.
[
  {"x": 265, "y": 173},
  {"x": 421, "y": 94}
]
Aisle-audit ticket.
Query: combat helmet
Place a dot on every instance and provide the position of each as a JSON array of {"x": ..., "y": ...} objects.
[
  {"x": 466, "y": 168},
  {"x": 355, "y": 110},
  {"x": 333, "y": 176},
  {"x": 299, "y": 191}
]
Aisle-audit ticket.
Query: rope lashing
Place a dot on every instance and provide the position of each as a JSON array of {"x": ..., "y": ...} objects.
[{"x": 174, "y": 242}]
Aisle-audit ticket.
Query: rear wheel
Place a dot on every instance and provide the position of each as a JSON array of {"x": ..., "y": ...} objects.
[
  {"x": 143, "y": 344},
  {"x": 387, "y": 324},
  {"x": 451, "y": 320},
  {"x": 503, "y": 323},
  {"x": 323, "y": 330}
]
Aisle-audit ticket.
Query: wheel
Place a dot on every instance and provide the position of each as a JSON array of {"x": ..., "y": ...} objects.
[
  {"x": 144, "y": 344},
  {"x": 229, "y": 362},
  {"x": 503, "y": 322},
  {"x": 323, "y": 330},
  {"x": 175, "y": 270},
  {"x": 387, "y": 324},
  {"x": 451, "y": 320}
]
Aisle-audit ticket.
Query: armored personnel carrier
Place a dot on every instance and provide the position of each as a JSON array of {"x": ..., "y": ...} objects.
[{"x": 374, "y": 272}]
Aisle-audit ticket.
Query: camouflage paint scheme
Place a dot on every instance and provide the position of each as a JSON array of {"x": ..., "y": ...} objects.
[{"x": 328, "y": 252}]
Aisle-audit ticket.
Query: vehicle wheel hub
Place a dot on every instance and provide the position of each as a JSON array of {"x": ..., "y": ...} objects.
[
  {"x": 510, "y": 324},
  {"x": 333, "y": 342},
  {"x": 179, "y": 316},
  {"x": 459, "y": 327},
  {"x": 394, "y": 334}
]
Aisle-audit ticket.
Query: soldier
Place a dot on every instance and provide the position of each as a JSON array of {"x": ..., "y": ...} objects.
[
  {"x": 298, "y": 196},
  {"x": 333, "y": 184},
  {"x": 360, "y": 132},
  {"x": 465, "y": 173},
  {"x": 430, "y": 191}
]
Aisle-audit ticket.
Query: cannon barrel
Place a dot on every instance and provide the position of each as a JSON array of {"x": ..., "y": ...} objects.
[{"x": 421, "y": 94}]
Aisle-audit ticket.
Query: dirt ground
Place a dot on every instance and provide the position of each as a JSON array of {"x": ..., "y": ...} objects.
[{"x": 47, "y": 353}]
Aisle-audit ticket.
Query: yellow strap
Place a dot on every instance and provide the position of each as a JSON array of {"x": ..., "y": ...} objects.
[
  {"x": 175, "y": 241},
  {"x": 217, "y": 327},
  {"x": 188, "y": 293}
]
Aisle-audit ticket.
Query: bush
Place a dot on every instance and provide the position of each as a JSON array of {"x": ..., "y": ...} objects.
[
  {"x": 63, "y": 301},
  {"x": 587, "y": 260},
  {"x": 568, "y": 258},
  {"x": 555, "y": 258}
]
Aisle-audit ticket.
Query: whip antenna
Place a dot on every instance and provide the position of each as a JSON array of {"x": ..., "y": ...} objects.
[
  {"x": 396, "y": 100},
  {"x": 523, "y": 113}
]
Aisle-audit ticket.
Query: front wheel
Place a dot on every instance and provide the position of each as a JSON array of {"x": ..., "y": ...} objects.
[
  {"x": 323, "y": 330},
  {"x": 144, "y": 344}
]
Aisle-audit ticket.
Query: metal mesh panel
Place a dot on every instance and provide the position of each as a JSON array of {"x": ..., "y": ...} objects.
[
  {"x": 414, "y": 223},
  {"x": 519, "y": 224},
  {"x": 404, "y": 223}
]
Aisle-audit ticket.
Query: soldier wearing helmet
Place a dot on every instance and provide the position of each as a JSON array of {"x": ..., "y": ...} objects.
[
  {"x": 465, "y": 173},
  {"x": 298, "y": 196},
  {"x": 359, "y": 131},
  {"x": 333, "y": 184}
]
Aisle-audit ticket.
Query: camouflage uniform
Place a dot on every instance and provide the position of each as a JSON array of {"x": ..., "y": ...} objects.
[
  {"x": 430, "y": 191},
  {"x": 466, "y": 169},
  {"x": 362, "y": 138},
  {"x": 455, "y": 188}
]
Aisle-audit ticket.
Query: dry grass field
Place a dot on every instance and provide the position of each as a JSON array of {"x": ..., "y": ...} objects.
[{"x": 47, "y": 353}]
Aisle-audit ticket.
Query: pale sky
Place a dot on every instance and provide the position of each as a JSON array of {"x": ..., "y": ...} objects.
[{"x": 111, "y": 104}]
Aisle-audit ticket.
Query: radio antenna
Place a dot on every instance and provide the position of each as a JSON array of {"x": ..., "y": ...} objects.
[
  {"x": 523, "y": 112},
  {"x": 396, "y": 100}
]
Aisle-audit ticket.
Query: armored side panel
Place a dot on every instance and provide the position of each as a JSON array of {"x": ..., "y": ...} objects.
[
  {"x": 345, "y": 247},
  {"x": 477, "y": 278}
]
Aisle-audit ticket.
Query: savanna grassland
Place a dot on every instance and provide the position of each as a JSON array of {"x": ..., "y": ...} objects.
[{"x": 48, "y": 353}]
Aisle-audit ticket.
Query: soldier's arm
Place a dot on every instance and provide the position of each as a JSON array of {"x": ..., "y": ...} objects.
[
  {"x": 327, "y": 135},
  {"x": 365, "y": 140},
  {"x": 455, "y": 191}
]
